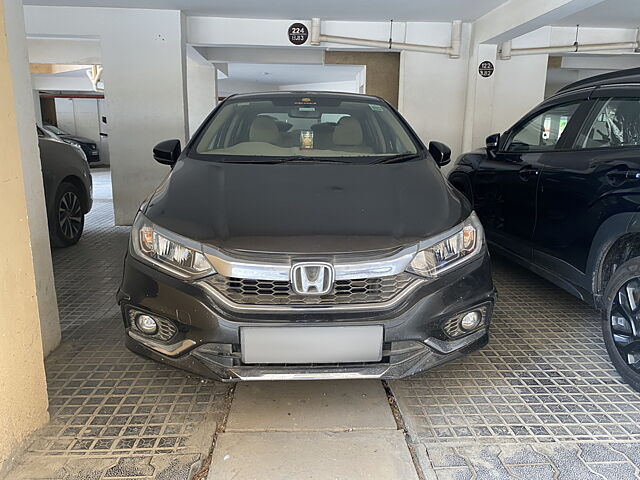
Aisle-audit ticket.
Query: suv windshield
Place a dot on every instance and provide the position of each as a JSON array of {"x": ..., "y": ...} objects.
[{"x": 296, "y": 127}]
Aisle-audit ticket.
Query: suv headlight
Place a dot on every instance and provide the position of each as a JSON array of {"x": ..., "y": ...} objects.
[
  {"x": 451, "y": 251},
  {"x": 168, "y": 251}
]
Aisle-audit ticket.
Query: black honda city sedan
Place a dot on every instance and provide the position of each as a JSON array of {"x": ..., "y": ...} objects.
[
  {"x": 305, "y": 236},
  {"x": 559, "y": 192}
]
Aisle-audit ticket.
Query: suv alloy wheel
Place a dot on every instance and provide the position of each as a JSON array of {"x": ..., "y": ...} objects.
[{"x": 621, "y": 321}]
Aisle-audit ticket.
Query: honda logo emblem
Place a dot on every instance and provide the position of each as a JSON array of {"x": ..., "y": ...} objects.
[{"x": 309, "y": 278}]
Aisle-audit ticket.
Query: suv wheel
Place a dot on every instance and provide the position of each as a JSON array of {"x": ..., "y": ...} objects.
[
  {"x": 621, "y": 321},
  {"x": 67, "y": 220}
]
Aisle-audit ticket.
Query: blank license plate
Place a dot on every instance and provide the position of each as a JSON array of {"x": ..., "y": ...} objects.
[{"x": 311, "y": 344}]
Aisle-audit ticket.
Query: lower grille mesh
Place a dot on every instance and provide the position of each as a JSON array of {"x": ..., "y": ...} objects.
[{"x": 277, "y": 292}]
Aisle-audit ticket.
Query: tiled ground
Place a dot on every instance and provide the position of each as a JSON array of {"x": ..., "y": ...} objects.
[
  {"x": 543, "y": 391},
  {"x": 114, "y": 414},
  {"x": 541, "y": 401}
]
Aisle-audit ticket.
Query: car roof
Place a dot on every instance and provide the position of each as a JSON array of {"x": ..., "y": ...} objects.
[
  {"x": 309, "y": 93},
  {"x": 628, "y": 76}
]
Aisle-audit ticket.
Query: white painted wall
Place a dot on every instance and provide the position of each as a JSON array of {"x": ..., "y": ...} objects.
[
  {"x": 202, "y": 92},
  {"x": 229, "y": 86},
  {"x": 64, "y": 115},
  {"x": 348, "y": 86},
  {"x": 37, "y": 107},
  {"x": 432, "y": 88},
  {"x": 61, "y": 83},
  {"x": 519, "y": 84},
  {"x": 143, "y": 54}
]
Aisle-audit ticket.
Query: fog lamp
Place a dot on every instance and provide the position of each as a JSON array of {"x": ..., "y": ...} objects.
[
  {"x": 471, "y": 320},
  {"x": 147, "y": 324}
]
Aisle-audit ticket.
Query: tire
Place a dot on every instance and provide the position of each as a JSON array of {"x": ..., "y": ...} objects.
[
  {"x": 621, "y": 321},
  {"x": 67, "y": 219}
]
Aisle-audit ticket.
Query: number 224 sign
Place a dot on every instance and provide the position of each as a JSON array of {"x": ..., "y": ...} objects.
[{"x": 298, "y": 33}]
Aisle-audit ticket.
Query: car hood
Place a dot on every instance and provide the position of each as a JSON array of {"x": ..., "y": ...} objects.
[
  {"x": 77, "y": 139},
  {"x": 306, "y": 207}
]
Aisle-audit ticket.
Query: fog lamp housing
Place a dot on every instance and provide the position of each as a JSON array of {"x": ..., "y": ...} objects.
[
  {"x": 471, "y": 320},
  {"x": 147, "y": 324},
  {"x": 466, "y": 322}
]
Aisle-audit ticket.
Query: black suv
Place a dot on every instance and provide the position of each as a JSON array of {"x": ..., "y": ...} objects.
[
  {"x": 559, "y": 193},
  {"x": 305, "y": 236}
]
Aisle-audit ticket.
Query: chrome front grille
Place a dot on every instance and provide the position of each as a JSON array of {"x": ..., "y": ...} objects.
[{"x": 279, "y": 292}]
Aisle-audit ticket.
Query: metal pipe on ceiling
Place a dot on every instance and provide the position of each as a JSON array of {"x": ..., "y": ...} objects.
[{"x": 316, "y": 37}]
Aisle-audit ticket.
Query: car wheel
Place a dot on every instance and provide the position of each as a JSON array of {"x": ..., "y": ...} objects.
[
  {"x": 67, "y": 220},
  {"x": 621, "y": 321}
]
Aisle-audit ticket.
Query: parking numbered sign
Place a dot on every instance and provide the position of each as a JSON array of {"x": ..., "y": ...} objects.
[
  {"x": 486, "y": 69},
  {"x": 298, "y": 33}
]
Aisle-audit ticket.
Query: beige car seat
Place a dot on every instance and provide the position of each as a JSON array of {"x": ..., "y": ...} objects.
[
  {"x": 264, "y": 129},
  {"x": 348, "y": 137}
]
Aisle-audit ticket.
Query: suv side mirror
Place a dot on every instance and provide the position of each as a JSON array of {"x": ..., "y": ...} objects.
[
  {"x": 440, "y": 153},
  {"x": 167, "y": 152},
  {"x": 492, "y": 142}
]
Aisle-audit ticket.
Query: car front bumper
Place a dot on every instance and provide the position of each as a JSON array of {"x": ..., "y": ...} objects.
[{"x": 208, "y": 342}]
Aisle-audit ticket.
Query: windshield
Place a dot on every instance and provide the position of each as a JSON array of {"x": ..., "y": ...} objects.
[
  {"x": 297, "y": 127},
  {"x": 55, "y": 130}
]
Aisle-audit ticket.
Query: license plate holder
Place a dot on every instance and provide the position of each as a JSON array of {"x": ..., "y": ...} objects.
[{"x": 311, "y": 344}]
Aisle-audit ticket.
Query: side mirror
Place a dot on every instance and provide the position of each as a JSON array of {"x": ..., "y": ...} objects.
[
  {"x": 167, "y": 152},
  {"x": 440, "y": 153},
  {"x": 492, "y": 143}
]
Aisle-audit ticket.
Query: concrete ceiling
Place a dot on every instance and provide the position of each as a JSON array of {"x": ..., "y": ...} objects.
[
  {"x": 356, "y": 10},
  {"x": 610, "y": 13},
  {"x": 279, "y": 74}
]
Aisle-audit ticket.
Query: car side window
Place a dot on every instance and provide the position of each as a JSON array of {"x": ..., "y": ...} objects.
[
  {"x": 616, "y": 124},
  {"x": 543, "y": 131}
]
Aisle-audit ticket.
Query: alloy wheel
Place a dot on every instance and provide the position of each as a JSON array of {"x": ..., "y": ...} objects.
[
  {"x": 625, "y": 323},
  {"x": 70, "y": 215}
]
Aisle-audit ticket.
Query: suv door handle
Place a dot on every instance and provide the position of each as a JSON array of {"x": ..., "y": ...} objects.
[{"x": 528, "y": 171}]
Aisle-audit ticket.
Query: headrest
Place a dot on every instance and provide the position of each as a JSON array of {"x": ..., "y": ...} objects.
[
  {"x": 264, "y": 129},
  {"x": 347, "y": 132}
]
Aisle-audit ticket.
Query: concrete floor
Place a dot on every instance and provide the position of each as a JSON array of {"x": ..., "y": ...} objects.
[{"x": 541, "y": 401}]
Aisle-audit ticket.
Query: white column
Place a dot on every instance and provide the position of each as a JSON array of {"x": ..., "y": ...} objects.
[
  {"x": 143, "y": 55},
  {"x": 202, "y": 92},
  {"x": 23, "y": 395}
]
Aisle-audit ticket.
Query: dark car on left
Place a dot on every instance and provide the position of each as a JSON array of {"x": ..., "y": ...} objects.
[
  {"x": 88, "y": 146},
  {"x": 68, "y": 189}
]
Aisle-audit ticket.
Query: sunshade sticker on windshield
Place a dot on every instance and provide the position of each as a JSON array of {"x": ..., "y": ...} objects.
[
  {"x": 305, "y": 101},
  {"x": 375, "y": 108}
]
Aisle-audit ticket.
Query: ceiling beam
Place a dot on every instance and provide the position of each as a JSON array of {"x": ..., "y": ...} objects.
[
  {"x": 518, "y": 17},
  {"x": 52, "y": 68}
]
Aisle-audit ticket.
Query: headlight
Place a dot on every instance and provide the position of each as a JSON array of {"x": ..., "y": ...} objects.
[
  {"x": 78, "y": 148},
  {"x": 168, "y": 251},
  {"x": 457, "y": 248}
]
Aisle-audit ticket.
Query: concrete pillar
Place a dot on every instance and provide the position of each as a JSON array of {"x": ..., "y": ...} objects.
[
  {"x": 37, "y": 215},
  {"x": 202, "y": 91},
  {"x": 517, "y": 85},
  {"x": 143, "y": 54},
  {"x": 23, "y": 394}
]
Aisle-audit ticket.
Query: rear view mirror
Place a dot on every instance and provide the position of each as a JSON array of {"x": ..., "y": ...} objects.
[
  {"x": 167, "y": 152},
  {"x": 305, "y": 112},
  {"x": 440, "y": 153},
  {"x": 492, "y": 143}
]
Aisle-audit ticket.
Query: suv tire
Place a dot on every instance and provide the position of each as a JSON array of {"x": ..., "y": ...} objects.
[
  {"x": 67, "y": 219},
  {"x": 621, "y": 307}
]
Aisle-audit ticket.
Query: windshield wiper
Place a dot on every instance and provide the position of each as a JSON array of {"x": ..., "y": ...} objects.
[
  {"x": 398, "y": 158},
  {"x": 301, "y": 158}
]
